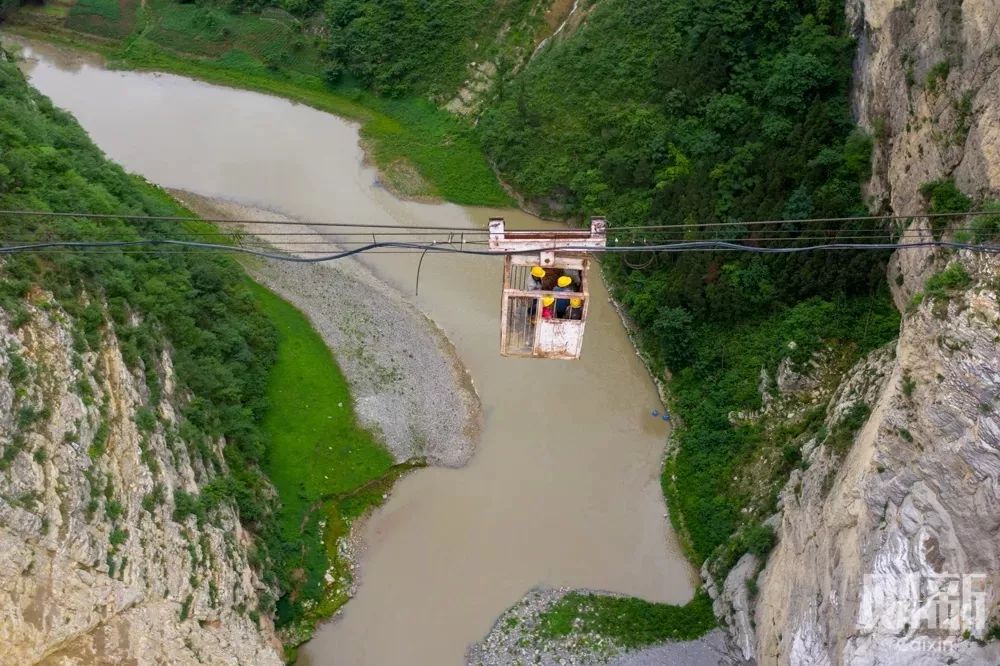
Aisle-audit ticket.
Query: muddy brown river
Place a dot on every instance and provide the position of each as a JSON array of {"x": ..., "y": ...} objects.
[{"x": 564, "y": 487}]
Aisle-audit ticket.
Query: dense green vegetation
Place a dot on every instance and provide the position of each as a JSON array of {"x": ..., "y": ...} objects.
[
  {"x": 398, "y": 46},
  {"x": 629, "y": 622},
  {"x": 691, "y": 114},
  {"x": 257, "y": 375},
  {"x": 705, "y": 481}
]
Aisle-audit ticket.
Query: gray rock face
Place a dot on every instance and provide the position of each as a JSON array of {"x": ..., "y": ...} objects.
[
  {"x": 734, "y": 604},
  {"x": 927, "y": 127},
  {"x": 93, "y": 568},
  {"x": 874, "y": 551},
  {"x": 790, "y": 381},
  {"x": 890, "y": 555}
]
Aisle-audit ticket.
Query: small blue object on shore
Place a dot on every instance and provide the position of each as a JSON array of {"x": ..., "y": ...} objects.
[
  {"x": 666, "y": 416},
  {"x": 656, "y": 413}
]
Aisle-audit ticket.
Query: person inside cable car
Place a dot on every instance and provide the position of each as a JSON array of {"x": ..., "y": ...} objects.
[
  {"x": 575, "y": 310},
  {"x": 548, "y": 307},
  {"x": 551, "y": 278},
  {"x": 534, "y": 284},
  {"x": 564, "y": 283}
]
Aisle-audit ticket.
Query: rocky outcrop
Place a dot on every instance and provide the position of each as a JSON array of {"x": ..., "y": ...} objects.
[
  {"x": 871, "y": 546},
  {"x": 94, "y": 568},
  {"x": 927, "y": 86},
  {"x": 889, "y": 553}
]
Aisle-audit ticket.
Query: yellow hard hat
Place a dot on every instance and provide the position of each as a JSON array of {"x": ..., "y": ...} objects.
[
  {"x": 576, "y": 302},
  {"x": 538, "y": 272},
  {"x": 564, "y": 281},
  {"x": 547, "y": 301}
]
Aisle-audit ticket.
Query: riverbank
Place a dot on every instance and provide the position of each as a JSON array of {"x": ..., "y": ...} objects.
[
  {"x": 559, "y": 626},
  {"x": 580, "y": 503},
  {"x": 408, "y": 388},
  {"x": 407, "y": 382},
  {"x": 422, "y": 152}
]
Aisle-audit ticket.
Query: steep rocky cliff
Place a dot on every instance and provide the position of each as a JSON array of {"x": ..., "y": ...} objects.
[
  {"x": 96, "y": 563},
  {"x": 887, "y": 553},
  {"x": 928, "y": 88}
]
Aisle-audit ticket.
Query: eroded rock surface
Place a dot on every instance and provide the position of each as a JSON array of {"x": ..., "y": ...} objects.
[
  {"x": 874, "y": 542},
  {"x": 913, "y": 503},
  {"x": 927, "y": 86},
  {"x": 93, "y": 566}
]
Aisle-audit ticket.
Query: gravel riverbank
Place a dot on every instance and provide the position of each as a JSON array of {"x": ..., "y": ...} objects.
[
  {"x": 517, "y": 637},
  {"x": 406, "y": 381}
]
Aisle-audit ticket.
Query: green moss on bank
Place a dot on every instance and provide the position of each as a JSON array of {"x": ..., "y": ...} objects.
[
  {"x": 322, "y": 463},
  {"x": 626, "y": 621}
]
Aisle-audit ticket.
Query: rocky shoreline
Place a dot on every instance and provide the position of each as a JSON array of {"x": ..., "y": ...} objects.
[
  {"x": 408, "y": 385},
  {"x": 517, "y": 638}
]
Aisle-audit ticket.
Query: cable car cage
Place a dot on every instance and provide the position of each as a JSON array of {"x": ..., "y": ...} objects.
[{"x": 530, "y": 325}]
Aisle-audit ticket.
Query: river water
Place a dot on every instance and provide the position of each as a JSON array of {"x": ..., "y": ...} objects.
[{"x": 564, "y": 487}]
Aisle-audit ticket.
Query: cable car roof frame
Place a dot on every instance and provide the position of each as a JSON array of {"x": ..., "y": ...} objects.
[{"x": 502, "y": 240}]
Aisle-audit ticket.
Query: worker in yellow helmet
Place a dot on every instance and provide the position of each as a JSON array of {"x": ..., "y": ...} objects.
[
  {"x": 575, "y": 309},
  {"x": 564, "y": 283},
  {"x": 547, "y": 307},
  {"x": 534, "y": 283}
]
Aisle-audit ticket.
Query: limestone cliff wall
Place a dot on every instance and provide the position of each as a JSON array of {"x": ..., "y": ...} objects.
[
  {"x": 927, "y": 126},
  {"x": 916, "y": 500},
  {"x": 93, "y": 567}
]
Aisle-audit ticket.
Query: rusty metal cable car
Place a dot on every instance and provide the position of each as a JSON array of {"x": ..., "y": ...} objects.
[{"x": 546, "y": 296}]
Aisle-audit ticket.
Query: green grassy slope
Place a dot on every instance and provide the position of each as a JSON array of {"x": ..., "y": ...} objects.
[
  {"x": 316, "y": 447},
  {"x": 317, "y": 457}
]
